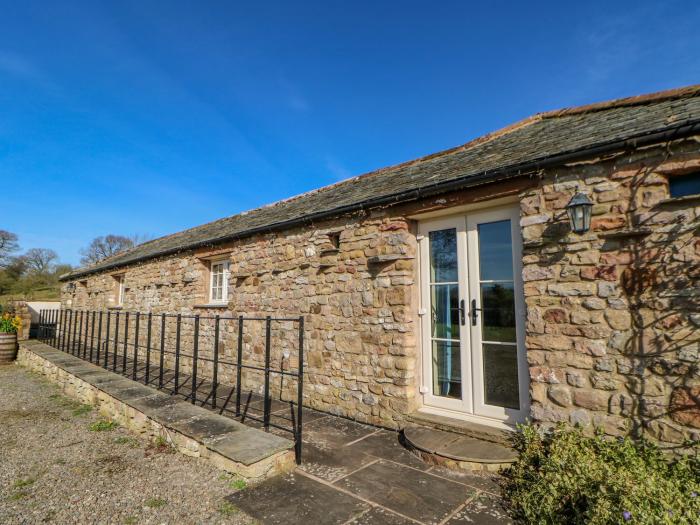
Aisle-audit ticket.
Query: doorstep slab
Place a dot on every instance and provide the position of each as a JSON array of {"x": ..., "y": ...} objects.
[
  {"x": 457, "y": 450},
  {"x": 458, "y": 426}
]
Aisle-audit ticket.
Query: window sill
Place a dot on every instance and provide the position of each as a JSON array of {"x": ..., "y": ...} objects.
[
  {"x": 211, "y": 305},
  {"x": 686, "y": 199}
]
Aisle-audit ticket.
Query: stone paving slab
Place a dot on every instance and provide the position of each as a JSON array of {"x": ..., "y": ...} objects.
[
  {"x": 474, "y": 480},
  {"x": 297, "y": 499},
  {"x": 248, "y": 446},
  {"x": 411, "y": 493},
  {"x": 335, "y": 432},
  {"x": 207, "y": 426},
  {"x": 332, "y": 464},
  {"x": 132, "y": 392},
  {"x": 380, "y": 516},
  {"x": 385, "y": 444},
  {"x": 173, "y": 412},
  {"x": 484, "y": 509},
  {"x": 154, "y": 401}
]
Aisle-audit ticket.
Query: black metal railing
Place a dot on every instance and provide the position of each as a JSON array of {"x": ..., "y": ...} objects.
[{"x": 210, "y": 360}]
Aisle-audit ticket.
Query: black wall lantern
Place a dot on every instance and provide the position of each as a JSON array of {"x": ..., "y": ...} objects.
[{"x": 579, "y": 212}]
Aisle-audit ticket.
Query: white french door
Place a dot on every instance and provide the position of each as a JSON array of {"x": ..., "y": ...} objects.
[{"x": 473, "y": 315}]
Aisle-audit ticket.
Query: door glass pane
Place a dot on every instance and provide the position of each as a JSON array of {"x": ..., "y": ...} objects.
[
  {"x": 498, "y": 312},
  {"x": 444, "y": 300},
  {"x": 495, "y": 251},
  {"x": 447, "y": 377},
  {"x": 501, "y": 376},
  {"x": 443, "y": 256}
]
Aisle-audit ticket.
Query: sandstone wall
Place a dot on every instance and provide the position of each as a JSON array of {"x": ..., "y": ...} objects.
[
  {"x": 612, "y": 327},
  {"x": 613, "y": 315},
  {"x": 358, "y": 300}
]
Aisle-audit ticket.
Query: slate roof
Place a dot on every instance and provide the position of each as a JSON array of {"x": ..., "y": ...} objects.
[{"x": 539, "y": 140}]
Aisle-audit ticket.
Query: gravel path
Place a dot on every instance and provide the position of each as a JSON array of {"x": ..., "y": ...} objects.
[{"x": 54, "y": 468}]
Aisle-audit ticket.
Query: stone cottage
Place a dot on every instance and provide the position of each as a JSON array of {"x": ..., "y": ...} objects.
[{"x": 470, "y": 284}]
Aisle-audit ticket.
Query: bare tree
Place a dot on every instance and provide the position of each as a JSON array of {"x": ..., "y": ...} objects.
[
  {"x": 40, "y": 260},
  {"x": 101, "y": 248},
  {"x": 8, "y": 245}
]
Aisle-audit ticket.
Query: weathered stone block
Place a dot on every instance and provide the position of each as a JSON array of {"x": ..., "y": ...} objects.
[{"x": 685, "y": 406}]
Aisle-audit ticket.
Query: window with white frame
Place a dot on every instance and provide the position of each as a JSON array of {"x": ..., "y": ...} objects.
[{"x": 218, "y": 282}]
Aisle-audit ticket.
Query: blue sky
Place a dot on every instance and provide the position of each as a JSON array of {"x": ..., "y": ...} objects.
[{"x": 150, "y": 117}]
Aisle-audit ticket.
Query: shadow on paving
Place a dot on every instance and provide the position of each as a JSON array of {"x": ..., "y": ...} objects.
[
  {"x": 221, "y": 400},
  {"x": 358, "y": 474},
  {"x": 350, "y": 474}
]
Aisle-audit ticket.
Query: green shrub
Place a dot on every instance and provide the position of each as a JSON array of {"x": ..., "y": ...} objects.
[
  {"x": 567, "y": 477},
  {"x": 102, "y": 426},
  {"x": 155, "y": 503}
]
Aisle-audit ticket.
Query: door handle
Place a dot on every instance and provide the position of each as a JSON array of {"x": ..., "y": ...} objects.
[
  {"x": 474, "y": 311},
  {"x": 462, "y": 313}
]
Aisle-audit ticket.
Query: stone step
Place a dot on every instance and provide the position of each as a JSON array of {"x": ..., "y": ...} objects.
[
  {"x": 457, "y": 451},
  {"x": 458, "y": 426}
]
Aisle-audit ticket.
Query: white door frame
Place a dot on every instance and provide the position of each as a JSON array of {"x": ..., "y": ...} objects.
[
  {"x": 472, "y": 406},
  {"x": 459, "y": 224}
]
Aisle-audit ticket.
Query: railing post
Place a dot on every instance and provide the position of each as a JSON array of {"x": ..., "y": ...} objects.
[
  {"x": 266, "y": 413},
  {"x": 80, "y": 333},
  {"x": 162, "y": 348},
  {"x": 75, "y": 327},
  {"x": 67, "y": 328},
  {"x": 109, "y": 321},
  {"x": 85, "y": 333},
  {"x": 99, "y": 339},
  {"x": 215, "y": 373},
  {"x": 92, "y": 334},
  {"x": 40, "y": 332},
  {"x": 61, "y": 329},
  {"x": 300, "y": 392},
  {"x": 56, "y": 323},
  {"x": 239, "y": 352},
  {"x": 126, "y": 341},
  {"x": 115, "y": 347},
  {"x": 136, "y": 344},
  {"x": 148, "y": 348},
  {"x": 177, "y": 353},
  {"x": 195, "y": 356}
]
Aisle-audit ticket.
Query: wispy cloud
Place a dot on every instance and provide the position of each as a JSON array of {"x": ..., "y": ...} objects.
[
  {"x": 337, "y": 170},
  {"x": 16, "y": 65},
  {"x": 612, "y": 47},
  {"x": 292, "y": 96},
  {"x": 298, "y": 103}
]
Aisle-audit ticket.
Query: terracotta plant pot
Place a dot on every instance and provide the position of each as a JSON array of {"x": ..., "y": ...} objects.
[{"x": 8, "y": 348}]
